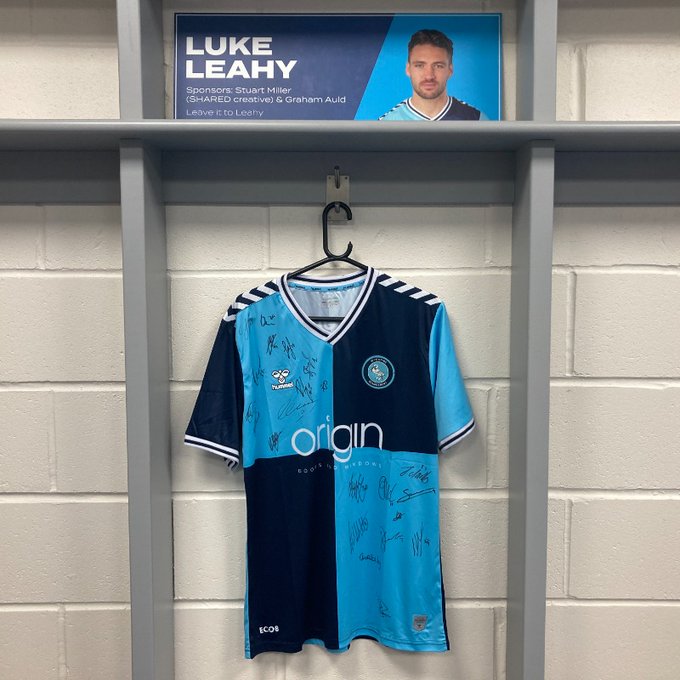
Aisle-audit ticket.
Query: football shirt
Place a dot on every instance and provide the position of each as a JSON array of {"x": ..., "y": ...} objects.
[
  {"x": 337, "y": 426},
  {"x": 454, "y": 109}
]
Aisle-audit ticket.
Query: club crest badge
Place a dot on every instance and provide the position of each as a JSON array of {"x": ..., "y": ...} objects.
[{"x": 378, "y": 372}]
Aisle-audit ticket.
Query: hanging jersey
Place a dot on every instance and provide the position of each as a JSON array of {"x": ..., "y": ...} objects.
[
  {"x": 454, "y": 109},
  {"x": 337, "y": 427}
]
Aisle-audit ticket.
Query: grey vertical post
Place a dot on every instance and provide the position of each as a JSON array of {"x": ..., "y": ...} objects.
[
  {"x": 140, "y": 59},
  {"x": 530, "y": 344},
  {"x": 536, "y": 59},
  {"x": 529, "y": 409},
  {"x": 148, "y": 423},
  {"x": 142, "y": 95}
]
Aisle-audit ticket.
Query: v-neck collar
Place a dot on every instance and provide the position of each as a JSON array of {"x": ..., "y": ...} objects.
[
  {"x": 437, "y": 116},
  {"x": 353, "y": 313}
]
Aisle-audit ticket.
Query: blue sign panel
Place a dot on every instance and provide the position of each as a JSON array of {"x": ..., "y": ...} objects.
[{"x": 341, "y": 67}]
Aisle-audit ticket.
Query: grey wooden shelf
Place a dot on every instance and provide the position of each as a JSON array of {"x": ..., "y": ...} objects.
[
  {"x": 283, "y": 162},
  {"x": 357, "y": 136}
]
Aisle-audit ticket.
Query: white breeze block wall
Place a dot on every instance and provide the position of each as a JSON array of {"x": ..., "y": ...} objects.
[
  {"x": 64, "y": 572},
  {"x": 614, "y": 552},
  {"x": 59, "y": 60},
  {"x": 618, "y": 60},
  {"x": 614, "y": 549}
]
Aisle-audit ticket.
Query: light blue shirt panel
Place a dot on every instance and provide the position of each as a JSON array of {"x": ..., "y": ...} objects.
[
  {"x": 287, "y": 381},
  {"x": 451, "y": 403},
  {"x": 387, "y": 547},
  {"x": 400, "y": 112}
]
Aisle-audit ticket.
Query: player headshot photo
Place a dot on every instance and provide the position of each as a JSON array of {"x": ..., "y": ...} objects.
[{"x": 430, "y": 68}]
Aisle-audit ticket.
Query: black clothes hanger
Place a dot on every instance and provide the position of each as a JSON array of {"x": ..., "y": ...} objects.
[{"x": 330, "y": 257}]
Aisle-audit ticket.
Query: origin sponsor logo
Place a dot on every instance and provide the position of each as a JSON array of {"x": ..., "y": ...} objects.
[{"x": 340, "y": 439}]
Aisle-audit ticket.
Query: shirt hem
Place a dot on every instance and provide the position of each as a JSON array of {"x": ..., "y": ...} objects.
[
  {"x": 408, "y": 645},
  {"x": 344, "y": 645}
]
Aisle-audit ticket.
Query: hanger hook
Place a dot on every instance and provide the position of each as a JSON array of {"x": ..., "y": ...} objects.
[{"x": 324, "y": 221}]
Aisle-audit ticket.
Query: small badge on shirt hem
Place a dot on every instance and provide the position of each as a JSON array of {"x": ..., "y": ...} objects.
[{"x": 419, "y": 622}]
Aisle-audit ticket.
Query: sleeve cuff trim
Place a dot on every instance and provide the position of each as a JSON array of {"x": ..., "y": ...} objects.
[
  {"x": 229, "y": 454},
  {"x": 455, "y": 437}
]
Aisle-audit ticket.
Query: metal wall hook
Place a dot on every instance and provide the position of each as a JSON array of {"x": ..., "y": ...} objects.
[{"x": 337, "y": 190}]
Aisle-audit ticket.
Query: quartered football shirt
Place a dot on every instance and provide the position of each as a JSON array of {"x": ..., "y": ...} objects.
[{"x": 337, "y": 426}]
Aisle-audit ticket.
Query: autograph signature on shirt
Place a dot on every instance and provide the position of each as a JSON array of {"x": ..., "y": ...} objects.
[{"x": 386, "y": 492}]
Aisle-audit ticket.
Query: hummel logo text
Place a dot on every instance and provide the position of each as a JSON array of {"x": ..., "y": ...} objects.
[{"x": 281, "y": 378}]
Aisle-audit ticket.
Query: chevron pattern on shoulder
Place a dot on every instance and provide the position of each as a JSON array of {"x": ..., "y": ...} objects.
[
  {"x": 394, "y": 108},
  {"x": 407, "y": 289},
  {"x": 252, "y": 296}
]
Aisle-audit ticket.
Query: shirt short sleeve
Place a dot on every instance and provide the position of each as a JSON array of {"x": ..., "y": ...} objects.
[
  {"x": 216, "y": 421},
  {"x": 453, "y": 412}
]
